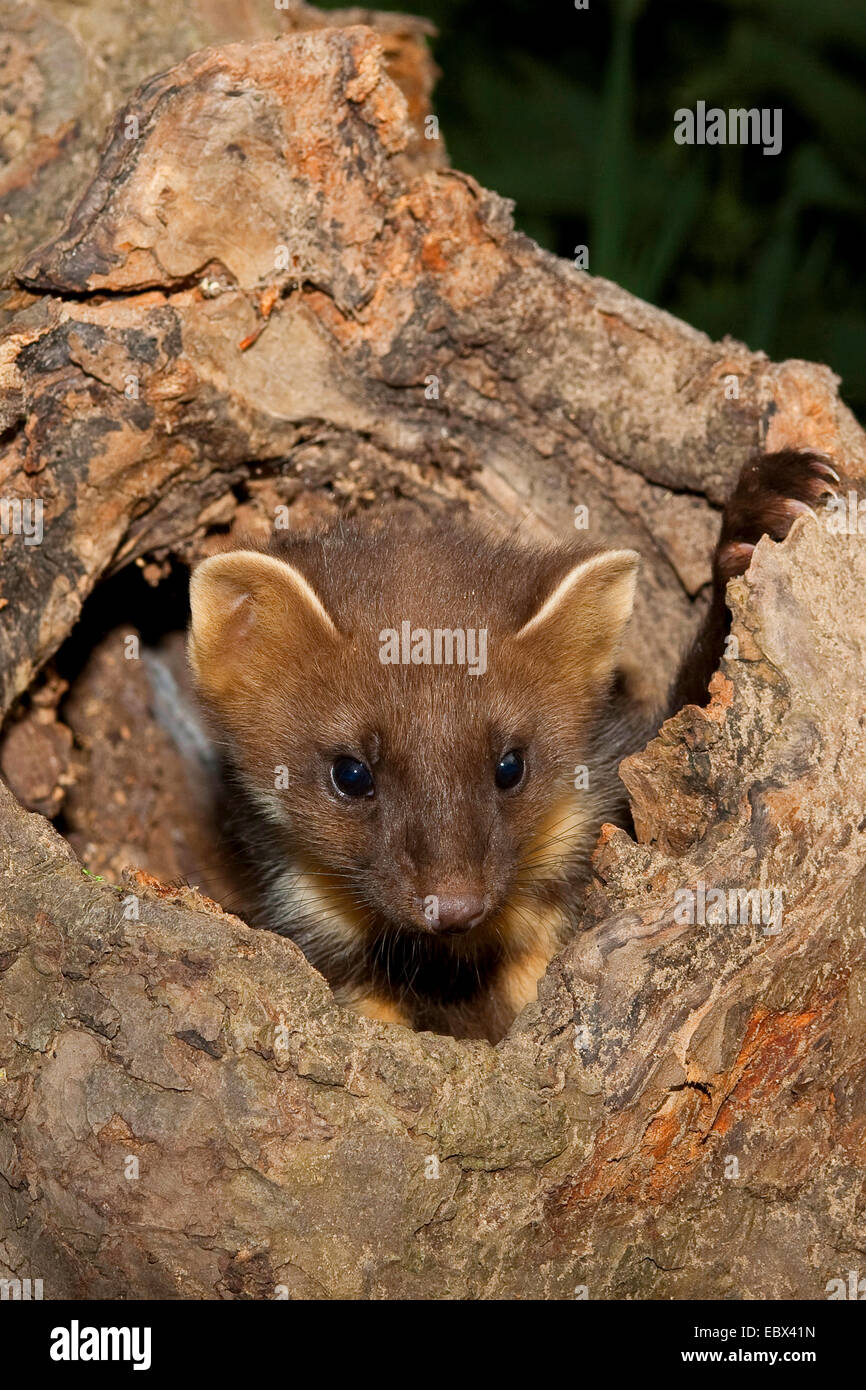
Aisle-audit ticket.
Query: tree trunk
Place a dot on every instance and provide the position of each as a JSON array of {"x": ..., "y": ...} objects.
[{"x": 274, "y": 292}]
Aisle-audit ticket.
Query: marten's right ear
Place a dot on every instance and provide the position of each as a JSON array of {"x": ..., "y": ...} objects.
[
  {"x": 250, "y": 613},
  {"x": 577, "y": 630}
]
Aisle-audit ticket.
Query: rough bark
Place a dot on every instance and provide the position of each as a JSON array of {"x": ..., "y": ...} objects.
[
  {"x": 165, "y": 370},
  {"x": 67, "y": 66}
]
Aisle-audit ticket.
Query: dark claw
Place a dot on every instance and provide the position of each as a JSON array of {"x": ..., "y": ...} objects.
[
  {"x": 800, "y": 508},
  {"x": 772, "y": 490},
  {"x": 825, "y": 469}
]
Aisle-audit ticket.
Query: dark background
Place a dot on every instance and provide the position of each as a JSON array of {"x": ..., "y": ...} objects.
[{"x": 570, "y": 113}]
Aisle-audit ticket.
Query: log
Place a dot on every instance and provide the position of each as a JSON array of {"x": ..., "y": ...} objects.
[{"x": 272, "y": 294}]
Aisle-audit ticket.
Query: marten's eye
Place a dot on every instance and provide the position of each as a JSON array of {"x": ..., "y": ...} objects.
[
  {"x": 509, "y": 770},
  {"x": 351, "y": 777}
]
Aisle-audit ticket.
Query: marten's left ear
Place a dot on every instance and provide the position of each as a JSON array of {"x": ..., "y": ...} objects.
[{"x": 579, "y": 626}]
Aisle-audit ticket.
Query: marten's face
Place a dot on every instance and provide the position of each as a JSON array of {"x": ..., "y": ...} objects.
[
  {"x": 418, "y": 795},
  {"x": 411, "y": 791}
]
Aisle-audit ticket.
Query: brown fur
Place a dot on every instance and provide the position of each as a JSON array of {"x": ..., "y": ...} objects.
[
  {"x": 285, "y": 644},
  {"x": 285, "y": 651}
]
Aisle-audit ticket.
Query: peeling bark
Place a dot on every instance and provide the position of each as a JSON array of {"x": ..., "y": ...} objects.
[{"x": 163, "y": 371}]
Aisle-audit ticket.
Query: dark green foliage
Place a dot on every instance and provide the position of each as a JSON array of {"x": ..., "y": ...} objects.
[{"x": 570, "y": 112}]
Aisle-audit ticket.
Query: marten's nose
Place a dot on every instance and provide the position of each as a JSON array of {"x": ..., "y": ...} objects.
[{"x": 457, "y": 911}]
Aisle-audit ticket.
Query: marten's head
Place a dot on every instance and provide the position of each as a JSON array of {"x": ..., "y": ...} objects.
[{"x": 410, "y": 713}]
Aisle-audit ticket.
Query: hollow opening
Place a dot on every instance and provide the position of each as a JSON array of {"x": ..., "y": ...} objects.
[{"x": 107, "y": 743}]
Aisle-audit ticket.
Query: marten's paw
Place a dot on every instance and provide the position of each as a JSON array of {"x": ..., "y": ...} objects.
[{"x": 773, "y": 489}]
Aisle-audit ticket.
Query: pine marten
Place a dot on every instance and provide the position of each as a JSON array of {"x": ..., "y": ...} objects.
[{"x": 421, "y": 733}]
